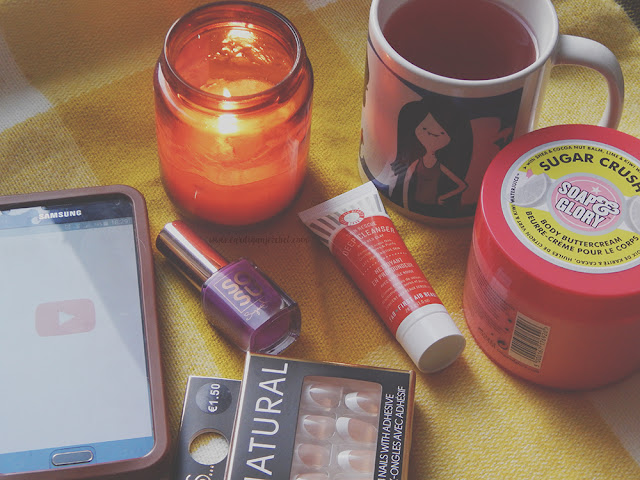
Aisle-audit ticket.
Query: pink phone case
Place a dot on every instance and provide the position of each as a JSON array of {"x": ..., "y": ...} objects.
[{"x": 153, "y": 464}]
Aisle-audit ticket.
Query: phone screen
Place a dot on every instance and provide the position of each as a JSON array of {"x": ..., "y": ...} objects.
[{"x": 73, "y": 373}]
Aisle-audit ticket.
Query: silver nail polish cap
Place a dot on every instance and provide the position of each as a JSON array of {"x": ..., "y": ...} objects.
[{"x": 191, "y": 254}]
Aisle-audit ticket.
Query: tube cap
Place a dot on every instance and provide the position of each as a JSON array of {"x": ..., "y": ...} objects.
[{"x": 431, "y": 338}]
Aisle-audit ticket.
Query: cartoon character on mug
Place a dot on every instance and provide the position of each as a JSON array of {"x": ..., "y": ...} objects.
[{"x": 434, "y": 146}]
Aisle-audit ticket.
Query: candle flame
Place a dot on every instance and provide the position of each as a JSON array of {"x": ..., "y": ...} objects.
[
  {"x": 240, "y": 34},
  {"x": 227, "y": 123}
]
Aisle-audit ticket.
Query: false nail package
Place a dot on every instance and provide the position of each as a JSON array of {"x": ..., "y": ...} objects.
[{"x": 300, "y": 420}]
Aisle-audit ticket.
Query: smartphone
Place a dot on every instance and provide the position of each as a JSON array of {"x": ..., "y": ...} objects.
[{"x": 81, "y": 390}]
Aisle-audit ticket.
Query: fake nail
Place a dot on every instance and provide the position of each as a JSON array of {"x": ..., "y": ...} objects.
[
  {"x": 325, "y": 396},
  {"x": 356, "y": 430},
  {"x": 319, "y": 426},
  {"x": 313, "y": 456},
  {"x": 312, "y": 476},
  {"x": 363, "y": 402},
  {"x": 361, "y": 461}
]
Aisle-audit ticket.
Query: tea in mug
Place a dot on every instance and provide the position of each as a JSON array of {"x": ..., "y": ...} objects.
[{"x": 463, "y": 39}]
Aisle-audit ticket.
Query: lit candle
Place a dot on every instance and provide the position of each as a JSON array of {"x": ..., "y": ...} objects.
[{"x": 233, "y": 91}]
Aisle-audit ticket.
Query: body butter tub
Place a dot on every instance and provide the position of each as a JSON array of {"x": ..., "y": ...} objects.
[{"x": 552, "y": 288}]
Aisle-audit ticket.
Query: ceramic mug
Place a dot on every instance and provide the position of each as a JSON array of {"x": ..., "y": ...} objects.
[{"x": 487, "y": 114}]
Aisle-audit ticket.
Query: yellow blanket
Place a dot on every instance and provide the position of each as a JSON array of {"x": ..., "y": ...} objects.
[{"x": 76, "y": 109}]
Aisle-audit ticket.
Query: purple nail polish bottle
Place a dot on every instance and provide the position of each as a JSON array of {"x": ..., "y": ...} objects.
[{"x": 238, "y": 299}]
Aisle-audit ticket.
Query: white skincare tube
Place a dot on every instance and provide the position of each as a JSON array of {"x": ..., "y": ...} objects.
[{"x": 362, "y": 237}]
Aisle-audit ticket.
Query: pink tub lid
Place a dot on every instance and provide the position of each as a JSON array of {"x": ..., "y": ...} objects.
[{"x": 559, "y": 214}]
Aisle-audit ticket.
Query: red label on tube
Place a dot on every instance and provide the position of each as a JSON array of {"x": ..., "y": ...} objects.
[{"x": 372, "y": 252}]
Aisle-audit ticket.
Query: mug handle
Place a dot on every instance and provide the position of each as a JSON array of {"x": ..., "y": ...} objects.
[{"x": 584, "y": 52}]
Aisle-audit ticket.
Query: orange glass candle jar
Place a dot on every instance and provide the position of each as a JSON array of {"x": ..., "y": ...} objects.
[{"x": 233, "y": 89}]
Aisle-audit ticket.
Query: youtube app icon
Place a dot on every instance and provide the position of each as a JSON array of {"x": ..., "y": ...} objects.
[{"x": 65, "y": 317}]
